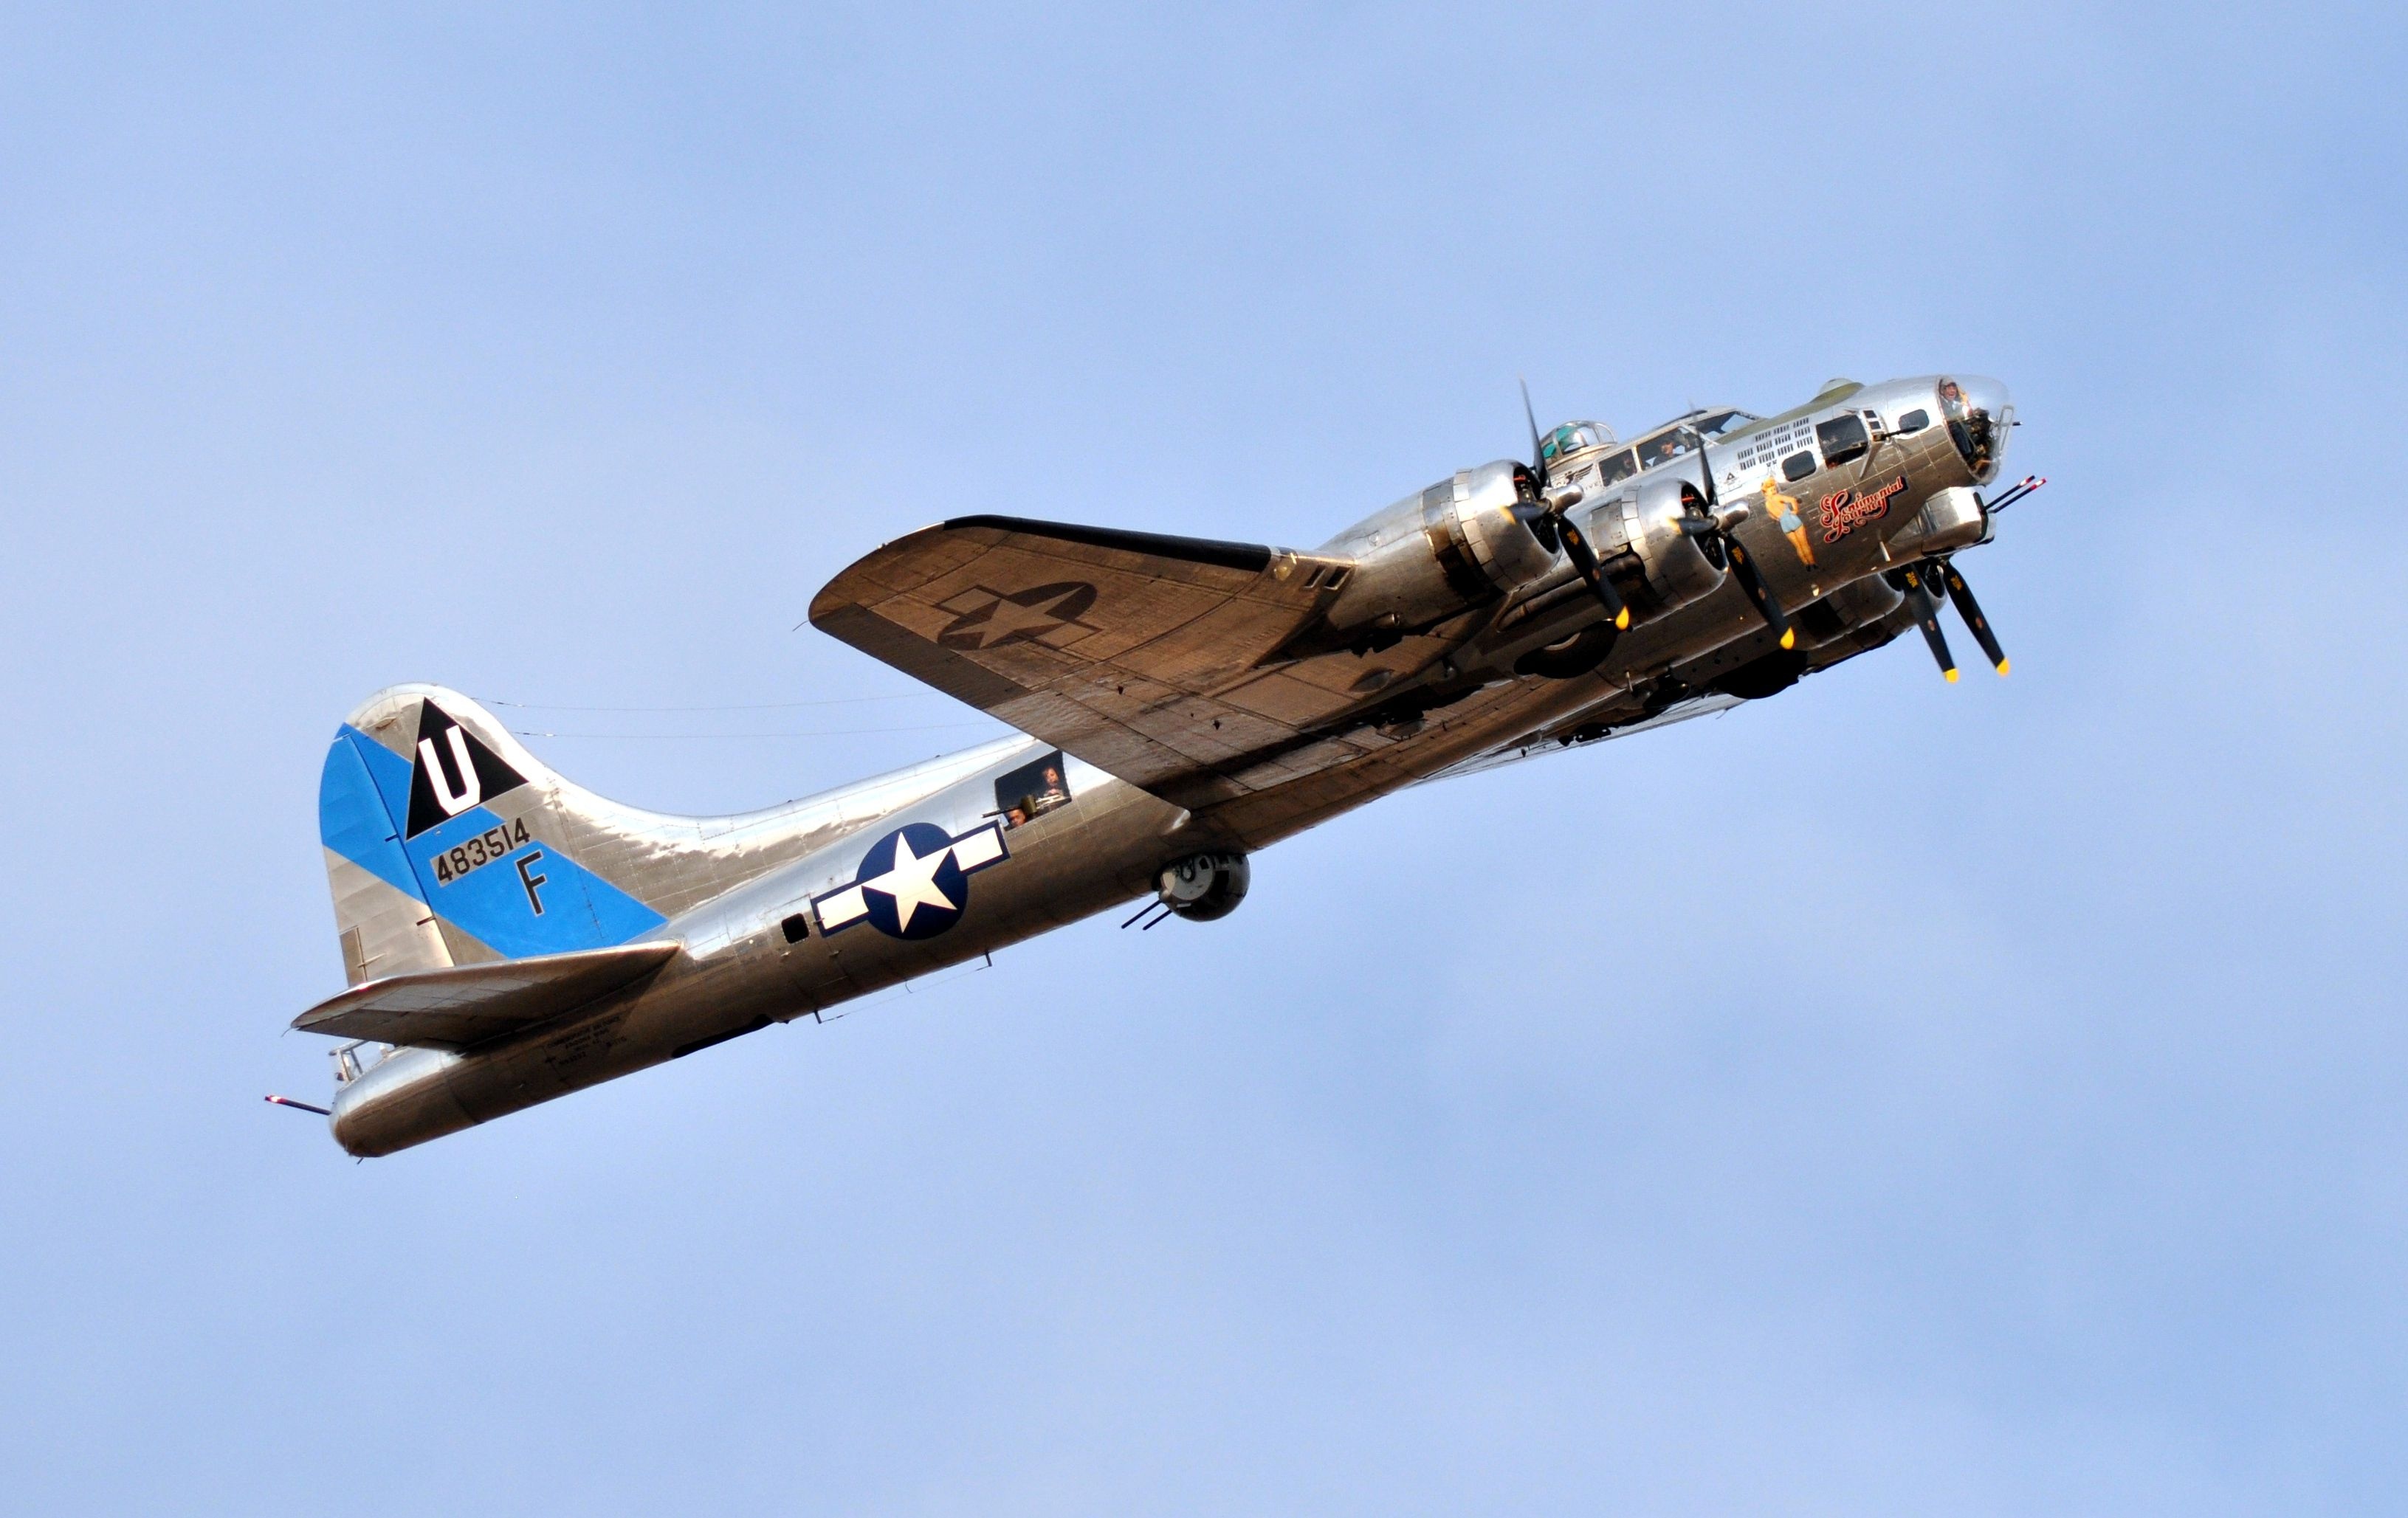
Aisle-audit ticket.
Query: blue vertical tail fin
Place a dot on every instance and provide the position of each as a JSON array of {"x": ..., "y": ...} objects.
[{"x": 448, "y": 843}]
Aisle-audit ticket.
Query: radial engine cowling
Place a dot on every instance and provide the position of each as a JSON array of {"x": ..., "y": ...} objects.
[
  {"x": 1457, "y": 545},
  {"x": 1639, "y": 541},
  {"x": 1202, "y": 887}
]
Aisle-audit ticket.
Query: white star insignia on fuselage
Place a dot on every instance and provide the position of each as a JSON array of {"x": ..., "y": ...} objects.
[{"x": 910, "y": 880}]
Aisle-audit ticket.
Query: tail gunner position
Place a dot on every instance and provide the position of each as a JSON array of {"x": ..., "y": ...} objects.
[{"x": 510, "y": 937}]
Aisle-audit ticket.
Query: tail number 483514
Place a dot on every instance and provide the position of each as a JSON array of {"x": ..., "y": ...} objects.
[{"x": 492, "y": 844}]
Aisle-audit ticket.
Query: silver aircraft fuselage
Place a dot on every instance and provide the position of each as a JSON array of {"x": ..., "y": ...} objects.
[{"x": 794, "y": 938}]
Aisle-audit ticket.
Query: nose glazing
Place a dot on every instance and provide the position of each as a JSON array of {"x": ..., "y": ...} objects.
[{"x": 1979, "y": 416}]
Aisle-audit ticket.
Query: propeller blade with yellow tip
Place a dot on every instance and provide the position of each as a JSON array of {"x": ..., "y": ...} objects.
[
  {"x": 1742, "y": 567},
  {"x": 1970, "y": 610},
  {"x": 1926, "y": 608},
  {"x": 1585, "y": 564},
  {"x": 1559, "y": 524}
]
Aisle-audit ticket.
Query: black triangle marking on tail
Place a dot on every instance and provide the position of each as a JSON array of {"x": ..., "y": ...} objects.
[{"x": 451, "y": 771}]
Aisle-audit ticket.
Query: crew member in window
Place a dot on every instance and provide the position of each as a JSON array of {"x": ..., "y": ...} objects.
[
  {"x": 1031, "y": 790},
  {"x": 1051, "y": 792}
]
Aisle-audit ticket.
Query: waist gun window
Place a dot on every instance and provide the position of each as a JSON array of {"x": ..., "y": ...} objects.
[{"x": 1031, "y": 790}]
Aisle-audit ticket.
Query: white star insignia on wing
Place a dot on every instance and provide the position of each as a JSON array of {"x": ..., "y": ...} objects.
[{"x": 1011, "y": 619}]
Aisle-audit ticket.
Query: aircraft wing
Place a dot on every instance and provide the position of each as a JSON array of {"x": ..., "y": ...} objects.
[
  {"x": 1562, "y": 737},
  {"x": 1157, "y": 659},
  {"x": 460, "y": 1004}
]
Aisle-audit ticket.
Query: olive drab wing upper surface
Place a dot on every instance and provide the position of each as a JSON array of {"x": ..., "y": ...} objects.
[{"x": 1157, "y": 659}]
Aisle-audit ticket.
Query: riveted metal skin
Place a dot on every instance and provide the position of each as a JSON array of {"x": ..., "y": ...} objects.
[
  {"x": 736, "y": 969},
  {"x": 1661, "y": 568},
  {"x": 1437, "y": 553},
  {"x": 1949, "y": 520},
  {"x": 800, "y": 909},
  {"x": 1502, "y": 543}
]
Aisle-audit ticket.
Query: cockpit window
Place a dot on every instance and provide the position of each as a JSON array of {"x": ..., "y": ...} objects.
[
  {"x": 1615, "y": 466},
  {"x": 1666, "y": 446},
  {"x": 1979, "y": 436}
]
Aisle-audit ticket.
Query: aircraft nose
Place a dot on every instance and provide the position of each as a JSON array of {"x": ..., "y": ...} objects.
[
  {"x": 1984, "y": 394},
  {"x": 1980, "y": 417}
]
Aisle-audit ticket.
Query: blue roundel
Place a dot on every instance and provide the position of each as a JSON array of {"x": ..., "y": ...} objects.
[
  {"x": 914, "y": 882},
  {"x": 910, "y": 884}
]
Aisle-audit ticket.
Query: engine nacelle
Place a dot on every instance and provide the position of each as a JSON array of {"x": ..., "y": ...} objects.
[
  {"x": 1458, "y": 544},
  {"x": 1202, "y": 887},
  {"x": 1637, "y": 535},
  {"x": 1949, "y": 520},
  {"x": 1859, "y": 603}
]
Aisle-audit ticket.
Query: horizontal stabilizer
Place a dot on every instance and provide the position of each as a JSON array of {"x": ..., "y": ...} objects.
[{"x": 460, "y": 1004}]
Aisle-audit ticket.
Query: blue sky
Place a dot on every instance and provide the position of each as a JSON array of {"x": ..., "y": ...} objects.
[{"x": 1894, "y": 1097}]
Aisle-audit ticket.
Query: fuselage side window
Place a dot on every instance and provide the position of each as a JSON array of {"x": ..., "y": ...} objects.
[
  {"x": 1033, "y": 790},
  {"x": 1797, "y": 467},
  {"x": 1915, "y": 421},
  {"x": 1843, "y": 438}
]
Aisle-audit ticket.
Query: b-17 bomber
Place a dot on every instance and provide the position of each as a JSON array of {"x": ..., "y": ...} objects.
[{"x": 1178, "y": 703}]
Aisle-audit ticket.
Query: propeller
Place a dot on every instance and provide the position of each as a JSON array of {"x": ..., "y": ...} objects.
[
  {"x": 1550, "y": 523},
  {"x": 1707, "y": 527},
  {"x": 1970, "y": 610},
  {"x": 1925, "y": 606}
]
